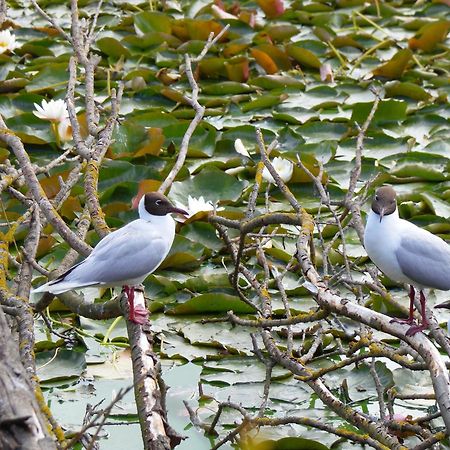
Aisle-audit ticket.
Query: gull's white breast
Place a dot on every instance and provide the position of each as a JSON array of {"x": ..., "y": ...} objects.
[{"x": 382, "y": 241}]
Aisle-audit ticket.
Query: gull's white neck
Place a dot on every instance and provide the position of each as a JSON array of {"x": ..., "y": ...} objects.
[{"x": 388, "y": 221}]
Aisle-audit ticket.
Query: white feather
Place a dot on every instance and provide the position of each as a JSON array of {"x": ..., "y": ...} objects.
[{"x": 124, "y": 257}]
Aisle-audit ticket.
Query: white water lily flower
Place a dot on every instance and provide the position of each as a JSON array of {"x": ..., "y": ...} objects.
[
  {"x": 54, "y": 110},
  {"x": 283, "y": 167},
  {"x": 194, "y": 206},
  {"x": 7, "y": 41},
  {"x": 240, "y": 148},
  {"x": 65, "y": 130}
]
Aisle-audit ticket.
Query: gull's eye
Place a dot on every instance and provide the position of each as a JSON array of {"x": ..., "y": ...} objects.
[
  {"x": 376, "y": 197},
  {"x": 158, "y": 202}
]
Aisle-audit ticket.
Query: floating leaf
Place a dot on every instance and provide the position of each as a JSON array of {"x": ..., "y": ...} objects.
[
  {"x": 211, "y": 183},
  {"x": 264, "y": 101},
  {"x": 226, "y": 88},
  {"x": 276, "y": 81},
  {"x": 212, "y": 67},
  {"x": 429, "y": 36},
  {"x": 30, "y": 129},
  {"x": 153, "y": 145},
  {"x": 129, "y": 137},
  {"x": 439, "y": 207},
  {"x": 52, "y": 185},
  {"x": 212, "y": 303},
  {"x": 280, "y": 33},
  {"x": 346, "y": 41},
  {"x": 387, "y": 110},
  {"x": 112, "y": 47},
  {"x": 148, "y": 21},
  {"x": 52, "y": 76},
  {"x": 59, "y": 365},
  {"x": 238, "y": 70},
  {"x": 265, "y": 61},
  {"x": 271, "y": 8},
  {"x": 278, "y": 56},
  {"x": 201, "y": 29},
  {"x": 303, "y": 56},
  {"x": 183, "y": 254},
  {"x": 288, "y": 443},
  {"x": 406, "y": 89},
  {"x": 395, "y": 67}
]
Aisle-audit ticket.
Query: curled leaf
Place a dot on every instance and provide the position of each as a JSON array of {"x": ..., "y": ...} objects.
[
  {"x": 395, "y": 67},
  {"x": 429, "y": 36}
]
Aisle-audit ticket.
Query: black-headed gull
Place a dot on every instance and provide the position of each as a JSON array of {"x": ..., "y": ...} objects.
[
  {"x": 126, "y": 256},
  {"x": 405, "y": 252}
]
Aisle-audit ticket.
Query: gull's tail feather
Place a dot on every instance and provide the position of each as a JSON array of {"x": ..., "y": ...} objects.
[
  {"x": 58, "y": 287},
  {"x": 60, "y": 284}
]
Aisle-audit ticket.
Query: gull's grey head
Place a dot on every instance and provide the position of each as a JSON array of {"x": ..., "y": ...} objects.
[
  {"x": 384, "y": 202},
  {"x": 158, "y": 204}
]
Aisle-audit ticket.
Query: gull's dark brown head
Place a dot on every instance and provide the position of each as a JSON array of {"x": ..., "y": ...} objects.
[
  {"x": 158, "y": 204},
  {"x": 384, "y": 202}
]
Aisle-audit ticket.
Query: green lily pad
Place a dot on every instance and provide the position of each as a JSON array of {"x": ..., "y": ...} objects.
[
  {"x": 290, "y": 443},
  {"x": 60, "y": 365},
  {"x": 212, "y": 303},
  {"x": 112, "y": 47},
  {"x": 211, "y": 183},
  {"x": 148, "y": 21}
]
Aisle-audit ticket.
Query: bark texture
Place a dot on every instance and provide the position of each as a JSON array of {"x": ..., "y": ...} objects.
[
  {"x": 22, "y": 423},
  {"x": 149, "y": 388}
]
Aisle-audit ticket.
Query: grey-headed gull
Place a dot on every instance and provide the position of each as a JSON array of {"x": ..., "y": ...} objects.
[
  {"x": 406, "y": 253},
  {"x": 126, "y": 256}
]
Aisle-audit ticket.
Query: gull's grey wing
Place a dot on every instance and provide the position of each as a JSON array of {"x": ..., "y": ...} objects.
[
  {"x": 425, "y": 258},
  {"x": 128, "y": 253}
]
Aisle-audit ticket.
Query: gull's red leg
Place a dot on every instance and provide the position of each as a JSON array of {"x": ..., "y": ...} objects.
[
  {"x": 410, "y": 319},
  {"x": 424, "y": 325},
  {"x": 137, "y": 314}
]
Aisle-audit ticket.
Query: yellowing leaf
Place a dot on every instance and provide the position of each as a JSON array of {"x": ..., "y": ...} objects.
[
  {"x": 429, "y": 36},
  {"x": 395, "y": 67},
  {"x": 113, "y": 209},
  {"x": 201, "y": 29},
  {"x": 265, "y": 61},
  {"x": 154, "y": 143},
  {"x": 144, "y": 187},
  {"x": 238, "y": 71},
  {"x": 233, "y": 49},
  {"x": 346, "y": 41},
  {"x": 271, "y": 8},
  {"x": 303, "y": 56},
  {"x": 279, "y": 57},
  {"x": 51, "y": 184},
  {"x": 44, "y": 246},
  {"x": 174, "y": 95},
  {"x": 70, "y": 207}
]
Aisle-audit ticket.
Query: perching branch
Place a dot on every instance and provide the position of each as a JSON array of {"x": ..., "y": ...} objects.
[{"x": 196, "y": 106}]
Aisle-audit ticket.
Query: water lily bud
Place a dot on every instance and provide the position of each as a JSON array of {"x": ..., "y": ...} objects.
[{"x": 240, "y": 148}]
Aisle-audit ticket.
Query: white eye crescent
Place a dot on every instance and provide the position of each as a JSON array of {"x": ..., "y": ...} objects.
[
  {"x": 376, "y": 197},
  {"x": 158, "y": 202}
]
